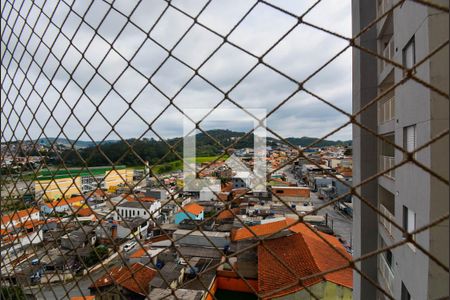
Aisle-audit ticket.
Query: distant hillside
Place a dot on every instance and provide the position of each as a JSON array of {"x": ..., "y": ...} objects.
[
  {"x": 69, "y": 143},
  {"x": 155, "y": 151},
  {"x": 306, "y": 141}
]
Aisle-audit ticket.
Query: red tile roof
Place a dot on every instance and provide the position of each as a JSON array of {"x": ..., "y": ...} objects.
[
  {"x": 306, "y": 254},
  {"x": 261, "y": 229},
  {"x": 83, "y": 298},
  {"x": 147, "y": 199},
  {"x": 17, "y": 215},
  {"x": 193, "y": 208},
  {"x": 227, "y": 214},
  {"x": 135, "y": 278},
  {"x": 85, "y": 212}
]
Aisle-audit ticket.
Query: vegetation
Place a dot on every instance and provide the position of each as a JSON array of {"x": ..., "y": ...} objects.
[
  {"x": 178, "y": 164},
  {"x": 165, "y": 154},
  {"x": 153, "y": 151},
  {"x": 94, "y": 258},
  {"x": 306, "y": 141},
  {"x": 12, "y": 293}
]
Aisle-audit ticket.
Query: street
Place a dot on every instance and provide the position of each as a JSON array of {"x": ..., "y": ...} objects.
[{"x": 340, "y": 223}]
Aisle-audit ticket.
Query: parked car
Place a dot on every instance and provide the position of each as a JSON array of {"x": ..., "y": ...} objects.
[{"x": 129, "y": 246}]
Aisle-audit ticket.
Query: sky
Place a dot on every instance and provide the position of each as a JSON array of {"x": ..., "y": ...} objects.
[{"x": 115, "y": 56}]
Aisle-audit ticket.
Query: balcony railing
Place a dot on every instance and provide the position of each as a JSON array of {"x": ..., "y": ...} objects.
[
  {"x": 386, "y": 222},
  {"x": 387, "y": 162},
  {"x": 386, "y": 110},
  {"x": 386, "y": 273},
  {"x": 388, "y": 53},
  {"x": 384, "y": 6}
]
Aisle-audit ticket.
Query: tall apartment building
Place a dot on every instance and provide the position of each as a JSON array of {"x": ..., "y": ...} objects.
[{"x": 410, "y": 115}]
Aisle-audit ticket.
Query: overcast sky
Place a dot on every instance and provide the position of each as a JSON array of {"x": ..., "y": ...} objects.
[{"x": 82, "y": 63}]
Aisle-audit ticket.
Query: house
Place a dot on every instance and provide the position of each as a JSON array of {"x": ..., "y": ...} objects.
[
  {"x": 145, "y": 255},
  {"x": 170, "y": 276},
  {"x": 28, "y": 232},
  {"x": 213, "y": 239},
  {"x": 79, "y": 238},
  {"x": 191, "y": 211},
  {"x": 209, "y": 192},
  {"x": 305, "y": 253},
  {"x": 241, "y": 180},
  {"x": 63, "y": 205},
  {"x": 19, "y": 217},
  {"x": 109, "y": 231},
  {"x": 135, "y": 209},
  {"x": 124, "y": 282},
  {"x": 97, "y": 194},
  {"x": 294, "y": 194}
]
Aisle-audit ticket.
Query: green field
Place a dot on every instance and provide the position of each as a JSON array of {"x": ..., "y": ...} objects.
[{"x": 178, "y": 164}]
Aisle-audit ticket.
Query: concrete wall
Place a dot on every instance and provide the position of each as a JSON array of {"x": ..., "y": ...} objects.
[
  {"x": 413, "y": 187},
  {"x": 364, "y": 147}
]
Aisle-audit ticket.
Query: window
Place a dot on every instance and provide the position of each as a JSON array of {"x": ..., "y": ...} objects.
[
  {"x": 409, "y": 222},
  {"x": 409, "y": 138},
  {"x": 405, "y": 293},
  {"x": 388, "y": 255},
  {"x": 409, "y": 54}
]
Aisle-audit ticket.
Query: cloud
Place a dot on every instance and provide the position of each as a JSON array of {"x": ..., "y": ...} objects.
[{"x": 56, "y": 77}]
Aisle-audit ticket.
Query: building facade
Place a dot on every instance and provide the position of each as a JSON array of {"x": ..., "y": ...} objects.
[
  {"x": 52, "y": 185},
  {"x": 409, "y": 115}
]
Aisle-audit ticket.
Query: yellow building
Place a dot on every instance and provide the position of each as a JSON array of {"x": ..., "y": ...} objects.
[{"x": 56, "y": 184}]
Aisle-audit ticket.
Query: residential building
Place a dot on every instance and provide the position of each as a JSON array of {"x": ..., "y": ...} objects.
[
  {"x": 295, "y": 194},
  {"x": 135, "y": 209},
  {"x": 191, "y": 211},
  {"x": 63, "y": 205},
  {"x": 308, "y": 254},
  {"x": 408, "y": 114},
  {"x": 20, "y": 217},
  {"x": 79, "y": 238},
  {"x": 124, "y": 282}
]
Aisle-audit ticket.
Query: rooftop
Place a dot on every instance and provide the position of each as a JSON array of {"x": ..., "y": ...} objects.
[
  {"x": 135, "y": 278},
  {"x": 305, "y": 253},
  {"x": 18, "y": 215},
  {"x": 193, "y": 208},
  {"x": 262, "y": 229}
]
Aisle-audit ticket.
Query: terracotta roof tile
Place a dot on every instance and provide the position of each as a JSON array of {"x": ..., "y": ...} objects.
[
  {"x": 83, "y": 298},
  {"x": 227, "y": 214},
  {"x": 85, "y": 212},
  {"x": 135, "y": 278},
  {"x": 261, "y": 229},
  {"x": 18, "y": 215},
  {"x": 306, "y": 254},
  {"x": 193, "y": 208},
  {"x": 147, "y": 199}
]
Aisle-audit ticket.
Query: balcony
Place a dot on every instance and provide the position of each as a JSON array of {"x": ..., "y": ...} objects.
[
  {"x": 388, "y": 53},
  {"x": 386, "y": 110},
  {"x": 387, "y": 277},
  {"x": 387, "y": 162},
  {"x": 384, "y": 6},
  {"x": 386, "y": 222}
]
